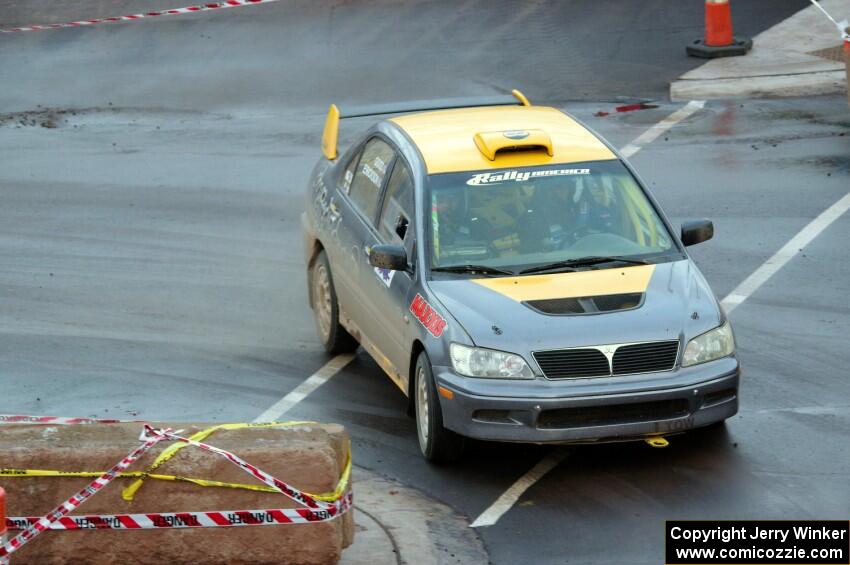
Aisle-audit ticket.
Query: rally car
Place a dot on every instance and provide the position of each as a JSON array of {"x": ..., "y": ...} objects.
[{"x": 513, "y": 276}]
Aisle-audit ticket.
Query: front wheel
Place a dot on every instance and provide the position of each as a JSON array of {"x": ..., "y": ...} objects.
[
  {"x": 326, "y": 308},
  {"x": 438, "y": 444}
]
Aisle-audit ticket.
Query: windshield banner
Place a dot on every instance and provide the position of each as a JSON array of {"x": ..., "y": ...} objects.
[{"x": 521, "y": 176}]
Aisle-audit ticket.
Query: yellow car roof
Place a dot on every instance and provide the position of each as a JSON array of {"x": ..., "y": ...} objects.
[{"x": 446, "y": 138}]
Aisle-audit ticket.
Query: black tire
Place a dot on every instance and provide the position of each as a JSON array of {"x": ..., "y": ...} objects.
[
  {"x": 325, "y": 306},
  {"x": 438, "y": 444}
]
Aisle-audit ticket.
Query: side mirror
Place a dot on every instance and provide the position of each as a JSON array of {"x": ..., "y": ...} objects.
[
  {"x": 696, "y": 231},
  {"x": 392, "y": 257}
]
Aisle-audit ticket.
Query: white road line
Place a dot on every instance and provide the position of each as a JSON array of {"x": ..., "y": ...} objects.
[
  {"x": 652, "y": 133},
  {"x": 301, "y": 392},
  {"x": 779, "y": 259},
  {"x": 510, "y": 496}
]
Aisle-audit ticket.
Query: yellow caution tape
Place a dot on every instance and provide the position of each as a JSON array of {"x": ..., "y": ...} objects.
[{"x": 130, "y": 492}]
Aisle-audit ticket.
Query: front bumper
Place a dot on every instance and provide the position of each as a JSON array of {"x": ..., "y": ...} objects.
[{"x": 589, "y": 410}]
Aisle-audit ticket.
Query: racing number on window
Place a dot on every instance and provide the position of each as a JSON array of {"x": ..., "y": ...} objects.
[
  {"x": 348, "y": 175},
  {"x": 397, "y": 212},
  {"x": 369, "y": 176}
]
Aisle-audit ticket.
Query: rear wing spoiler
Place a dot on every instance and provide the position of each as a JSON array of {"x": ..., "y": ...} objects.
[{"x": 330, "y": 137}]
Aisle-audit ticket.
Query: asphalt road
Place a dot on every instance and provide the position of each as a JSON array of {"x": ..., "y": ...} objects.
[{"x": 150, "y": 259}]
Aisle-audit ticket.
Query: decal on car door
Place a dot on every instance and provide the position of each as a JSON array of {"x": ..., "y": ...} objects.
[
  {"x": 427, "y": 316},
  {"x": 385, "y": 276}
]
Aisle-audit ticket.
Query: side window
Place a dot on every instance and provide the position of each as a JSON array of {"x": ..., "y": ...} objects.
[
  {"x": 366, "y": 185},
  {"x": 395, "y": 224},
  {"x": 348, "y": 175}
]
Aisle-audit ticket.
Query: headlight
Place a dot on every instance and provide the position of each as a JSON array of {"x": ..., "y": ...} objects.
[
  {"x": 488, "y": 363},
  {"x": 709, "y": 346}
]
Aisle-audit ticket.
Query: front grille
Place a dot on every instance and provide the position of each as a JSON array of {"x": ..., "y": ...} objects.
[
  {"x": 645, "y": 357},
  {"x": 572, "y": 363},
  {"x": 612, "y": 415},
  {"x": 629, "y": 359}
]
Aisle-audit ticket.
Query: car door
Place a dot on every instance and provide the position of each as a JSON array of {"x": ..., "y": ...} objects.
[
  {"x": 338, "y": 213},
  {"x": 388, "y": 291},
  {"x": 359, "y": 202}
]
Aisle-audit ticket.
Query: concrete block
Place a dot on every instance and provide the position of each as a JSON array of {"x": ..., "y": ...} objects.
[{"x": 309, "y": 457}]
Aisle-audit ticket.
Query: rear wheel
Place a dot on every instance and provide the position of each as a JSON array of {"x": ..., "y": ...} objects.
[
  {"x": 438, "y": 444},
  {"x": 333, "y": 336}
]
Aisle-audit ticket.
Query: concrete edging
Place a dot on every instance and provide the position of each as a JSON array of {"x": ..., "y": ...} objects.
[
  {"x": 804, "y": 84},
  {"x": 792, "y": 58},
  {"x": 406, "y": 527}
]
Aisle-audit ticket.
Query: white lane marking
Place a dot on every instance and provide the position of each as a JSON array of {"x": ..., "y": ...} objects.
[
  {"x": 788, "y": 251},
  {"x": 652, "y": 133},
  {"x": 510, "y": 496},
  {"x": 301, "y": 392}
]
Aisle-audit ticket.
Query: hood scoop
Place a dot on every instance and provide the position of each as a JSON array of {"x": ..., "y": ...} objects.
[
  {"x": 587, "y": 304},
  {"x": 490, "y": 143}
]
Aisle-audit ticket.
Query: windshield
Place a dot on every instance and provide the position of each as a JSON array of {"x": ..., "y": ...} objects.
[{"x": 517, "y": 218}]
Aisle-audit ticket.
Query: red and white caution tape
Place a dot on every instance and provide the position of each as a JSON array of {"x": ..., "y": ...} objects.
[
  {"x": 45, "y": 522},
  {"x": 176, "y": 520},
  {"x": 316, "y": 510},
  {"x": 56, "y": 420},
  {"x": 293, "y": 493},
  {"x": 133, "y": 17}
]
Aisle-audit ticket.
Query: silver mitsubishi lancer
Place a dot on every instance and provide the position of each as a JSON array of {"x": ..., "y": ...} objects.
[{"x": 511, "y": 274}]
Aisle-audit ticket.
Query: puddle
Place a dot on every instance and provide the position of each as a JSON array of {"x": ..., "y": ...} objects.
[
  {"x": 52, "y": 118},
  {"x": 831, "y": 165},
  {"x": 789, "y": 114},
  {"x": 796, "y": 114},
  {"x": 49, "y": 119}
]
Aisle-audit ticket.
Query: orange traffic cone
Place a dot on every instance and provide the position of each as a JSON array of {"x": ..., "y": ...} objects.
[{"x": 719, "y": 40}]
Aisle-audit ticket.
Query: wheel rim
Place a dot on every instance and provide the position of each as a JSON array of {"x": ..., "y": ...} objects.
[
  {"x": 322, "y": 301},
  {"x": 422, "y": 407}
]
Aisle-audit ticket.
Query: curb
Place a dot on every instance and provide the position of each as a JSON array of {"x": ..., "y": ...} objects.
[
  {"x": 805, "y": 84},
  {"x": 795, "y": 57},
  {"x": 399, "y": 525}
]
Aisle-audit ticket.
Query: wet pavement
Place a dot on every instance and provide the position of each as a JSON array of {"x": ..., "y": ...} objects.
[{"x": 152, "y": 175}]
